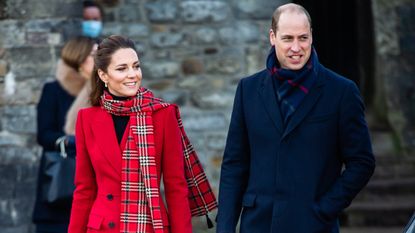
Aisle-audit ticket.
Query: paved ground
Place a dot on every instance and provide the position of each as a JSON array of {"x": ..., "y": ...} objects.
[{"x": 371, "y": 230}]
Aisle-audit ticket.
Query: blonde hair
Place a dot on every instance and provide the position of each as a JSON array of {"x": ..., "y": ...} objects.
[{"x": 76, "y": 50}]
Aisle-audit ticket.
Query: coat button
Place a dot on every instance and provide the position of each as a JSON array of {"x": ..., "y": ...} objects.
[
  {"x": 111, "y": 224},
  {"x": 110, "y": 197}
]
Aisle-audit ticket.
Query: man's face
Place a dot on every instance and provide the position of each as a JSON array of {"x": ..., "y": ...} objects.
[
  {"x": 92, "y": 13},
  {"x": 292, "y": 40}
]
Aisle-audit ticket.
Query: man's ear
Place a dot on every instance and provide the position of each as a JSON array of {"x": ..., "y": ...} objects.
[{"x": 272, "y": 37}]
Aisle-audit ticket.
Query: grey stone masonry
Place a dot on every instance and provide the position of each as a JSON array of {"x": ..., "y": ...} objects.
[
  {"x": 394, "y": 67},
  {"x": 193, "y": 53},
  {"x": 31, "y": 36}
]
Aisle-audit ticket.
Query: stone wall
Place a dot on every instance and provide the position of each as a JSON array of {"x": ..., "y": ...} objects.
[
  {"x": 31, "y": 33},
  {"x": 193, "y": 53},
  {"x": 395, "y": 69}
]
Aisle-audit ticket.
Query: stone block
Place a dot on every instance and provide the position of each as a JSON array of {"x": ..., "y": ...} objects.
[
  {"x": 26, "y": 187},
  {"x": 19, "y": 154},
  {"x": 192, "y": 66},
  {"x": 23, "y": 228},
  {"x": 160, "y": 85},
  {"x": 12, "y": 34},
  {"x": 166, "y": 39},
  {"x": 9, "y": 139},
  {"x": 37, "y": 38},
  {"x": 136, "y": 30},
  {"x": 3, "y": 68},
  {"x": 241, "y": 32},
  {"x": 112, "y": 28},
  {"x": 212, "y": 99},
  {"x": 54, "y": 39},
  {"x": 203, "y": 121},
  {"x": 216, "y": 141},
  {"x": 30, "y": 61},
  {"x": 205, "y": 35},
  {"x": 161, "y": 69},
  {"x": 204, "y": 11},
  {"x": 228, "y": 61},
  {"x": 19, "y": 119},
  {"x": 174, "y": 96},
  {"x": 44, "y": 8},
  {"x": 11, "y": 214},
  {"x": 161, "y": 11},
  {"x": 256, "y": 9},
  {"x": 68, "y": 28},
  {"x": 193, "y": 82},
  {"x": 129, "y": 13},
  {"x": 20, "y": 91},
  {"x": 255, "y": 58}
]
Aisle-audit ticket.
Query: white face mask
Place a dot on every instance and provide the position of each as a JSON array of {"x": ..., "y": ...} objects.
[{"x": 91, "y": 28}]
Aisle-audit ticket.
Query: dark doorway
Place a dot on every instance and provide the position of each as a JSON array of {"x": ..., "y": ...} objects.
[{"x": 343, "y": 38}]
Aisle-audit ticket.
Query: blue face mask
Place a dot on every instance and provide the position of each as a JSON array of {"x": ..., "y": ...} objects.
[{"x": 91, "y": 28}]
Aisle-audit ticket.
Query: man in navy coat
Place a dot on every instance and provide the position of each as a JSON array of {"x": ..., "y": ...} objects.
[{"x": 298, "y": 148}]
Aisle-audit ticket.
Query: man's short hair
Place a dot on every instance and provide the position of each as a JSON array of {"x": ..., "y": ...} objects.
[{"x": 290, "y": 7}]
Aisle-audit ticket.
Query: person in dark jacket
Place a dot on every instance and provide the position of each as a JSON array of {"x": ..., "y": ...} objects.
[
  {"x": 57, "y": 98},
  {"x": 294, "y": 126}
]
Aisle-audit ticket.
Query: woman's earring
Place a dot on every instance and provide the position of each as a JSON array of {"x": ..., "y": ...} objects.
[{"x": 106, "y": 85}]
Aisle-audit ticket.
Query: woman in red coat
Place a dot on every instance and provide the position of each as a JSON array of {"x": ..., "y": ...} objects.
[{"x": 125, "y": 143}]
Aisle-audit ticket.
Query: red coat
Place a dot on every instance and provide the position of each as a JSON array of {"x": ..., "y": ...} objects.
[{"x": 96, "y": 200}]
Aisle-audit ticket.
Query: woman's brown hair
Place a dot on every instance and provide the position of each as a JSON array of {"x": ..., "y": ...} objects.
[
  {"x": 76, "y": 50},
  {"x": 102, "y": 59}
]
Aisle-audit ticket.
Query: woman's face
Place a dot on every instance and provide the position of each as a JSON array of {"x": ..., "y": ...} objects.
[
  {"x": 87, "y": 66},
  {"x": 123, "y": 76}
]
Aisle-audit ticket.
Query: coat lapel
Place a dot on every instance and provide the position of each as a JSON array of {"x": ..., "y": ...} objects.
[
  {"x": 304, "y": 108},
  {"x": 104, "y": 132},
  {"x": 267, "y": 93}
]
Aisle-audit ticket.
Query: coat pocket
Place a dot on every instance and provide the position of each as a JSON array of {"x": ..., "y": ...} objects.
[
  {"x": 319, "y": 215},
  {"x": 95, "y": 221},
  {"x": 248, "y": 200}
]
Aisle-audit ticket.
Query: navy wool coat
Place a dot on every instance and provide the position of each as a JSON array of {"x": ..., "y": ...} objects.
[
  {"x": 53, "y": 105},
  {"x": 289, "y": 179}
]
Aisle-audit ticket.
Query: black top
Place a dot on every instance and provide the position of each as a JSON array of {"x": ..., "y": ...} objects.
[{"x": 120, "y": 122}]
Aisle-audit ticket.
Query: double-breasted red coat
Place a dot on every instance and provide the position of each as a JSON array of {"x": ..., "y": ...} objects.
[{"x": 96, "y": 200}]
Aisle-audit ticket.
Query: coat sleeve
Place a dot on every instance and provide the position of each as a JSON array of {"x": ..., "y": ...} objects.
[
  {"x": 47, "y": 118},
  {"x": 176, "y": 189},
  {"x": 85, "y": 182},
  {"x": 235, "y": 168},
  {"x": 356, "y": 153}
]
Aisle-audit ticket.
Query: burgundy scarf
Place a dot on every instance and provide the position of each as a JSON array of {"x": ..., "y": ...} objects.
[
  {"x": 140, "y": 200},
  {"x": 292, "y": 85}
]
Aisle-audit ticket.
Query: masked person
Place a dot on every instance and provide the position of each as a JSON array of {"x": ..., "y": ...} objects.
[{"x": 92, "y": 19}]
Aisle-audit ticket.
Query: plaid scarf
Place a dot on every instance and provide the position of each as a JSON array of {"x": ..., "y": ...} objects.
[
  {"x": 140, "y": 200},
  {"x": 292, "y": 85}
]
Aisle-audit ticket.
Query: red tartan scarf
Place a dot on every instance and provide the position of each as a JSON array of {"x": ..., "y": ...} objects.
[{"x": 140, "y": 200}]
